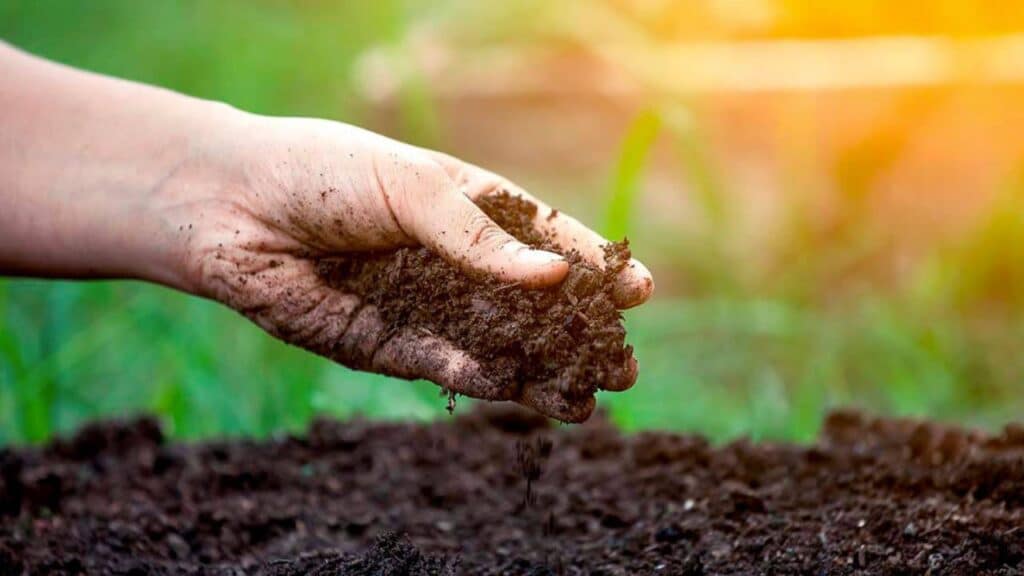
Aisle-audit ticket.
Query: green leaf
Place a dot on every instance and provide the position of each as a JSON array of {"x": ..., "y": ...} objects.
[{"x": 628, "y": 173}]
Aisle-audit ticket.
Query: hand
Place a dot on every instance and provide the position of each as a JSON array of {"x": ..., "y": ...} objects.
[
  {"x": 103, "y": 178},
  {"x": 299, "y": 189}
]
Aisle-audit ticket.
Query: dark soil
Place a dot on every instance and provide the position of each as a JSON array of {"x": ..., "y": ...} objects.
[
  {"x": 570, "y": 336},
  {"x": 872, "y": 497}
]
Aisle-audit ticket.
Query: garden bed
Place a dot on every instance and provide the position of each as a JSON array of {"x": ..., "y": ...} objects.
[{"x": 871, "y": 497}]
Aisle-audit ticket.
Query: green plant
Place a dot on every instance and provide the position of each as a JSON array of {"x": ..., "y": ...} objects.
[{"x": 627, "y": 175}]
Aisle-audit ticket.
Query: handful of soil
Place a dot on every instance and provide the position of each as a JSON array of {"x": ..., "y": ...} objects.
[{"x": 569, "y": 337}]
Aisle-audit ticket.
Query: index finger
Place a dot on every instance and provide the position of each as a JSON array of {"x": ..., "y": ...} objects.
[{"x": 634, "y": 283}]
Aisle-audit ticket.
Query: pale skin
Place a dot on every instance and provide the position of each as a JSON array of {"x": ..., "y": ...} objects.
[{"x": 105, "y": 178}]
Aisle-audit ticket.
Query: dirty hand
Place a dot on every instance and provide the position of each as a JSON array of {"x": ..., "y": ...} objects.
[
  {"x": 103, "y": 178},
  {"x": 301, "y": 189}
]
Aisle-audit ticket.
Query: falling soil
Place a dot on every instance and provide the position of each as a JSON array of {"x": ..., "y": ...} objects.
[
  {"x": 871, "y": 497},
  {"x": 570, "y": 335}
]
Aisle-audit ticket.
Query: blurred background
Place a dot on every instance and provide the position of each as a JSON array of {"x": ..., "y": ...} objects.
[{"x": 830, "y": 196}]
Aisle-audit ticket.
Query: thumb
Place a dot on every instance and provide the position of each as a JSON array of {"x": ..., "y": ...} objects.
[{"x": 441, "y": 217}]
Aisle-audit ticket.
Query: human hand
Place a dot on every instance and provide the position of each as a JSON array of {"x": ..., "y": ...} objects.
[
  {"x": 303, "y": 189},
  {"x": 103, "y": 178}
]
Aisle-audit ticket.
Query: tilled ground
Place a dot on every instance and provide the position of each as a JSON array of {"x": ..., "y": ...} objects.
[{"x": 872, "y": 497}]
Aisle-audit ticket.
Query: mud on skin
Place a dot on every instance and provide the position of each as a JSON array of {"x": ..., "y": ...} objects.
[
  {"x": 550, "y": 348},
  {"x": 870, "y": 497}
]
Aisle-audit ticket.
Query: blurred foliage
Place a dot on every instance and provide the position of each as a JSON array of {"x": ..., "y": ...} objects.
[
  {"x": 626, "y": 180},
  {"x": 763, "y": 352},
  {"x": 984, "y": 272}
]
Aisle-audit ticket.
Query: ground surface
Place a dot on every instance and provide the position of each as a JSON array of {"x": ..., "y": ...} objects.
[{"x": 872, "y": 497}]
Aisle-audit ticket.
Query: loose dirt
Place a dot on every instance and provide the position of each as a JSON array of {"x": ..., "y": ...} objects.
[
  {"x": 871, "y": 497},
  {"x": 569, "y": 337}
]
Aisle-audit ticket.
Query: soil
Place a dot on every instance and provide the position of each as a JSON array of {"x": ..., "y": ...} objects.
[
  {"x": 570, "y": 336},
  {"x": 870, "y": 497}
]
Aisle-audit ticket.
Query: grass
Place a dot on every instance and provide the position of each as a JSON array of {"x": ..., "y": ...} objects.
[{"x": 763, "y": 355}]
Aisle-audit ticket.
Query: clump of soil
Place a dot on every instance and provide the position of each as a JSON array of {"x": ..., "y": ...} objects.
[
  {"x": 870, "y": 497},
  {"x": 570, "y": 334}
]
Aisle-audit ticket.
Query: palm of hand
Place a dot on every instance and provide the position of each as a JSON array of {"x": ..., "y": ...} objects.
[{"x": 308, "y": 189}]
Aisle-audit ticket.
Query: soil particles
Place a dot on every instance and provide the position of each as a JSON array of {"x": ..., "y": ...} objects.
[
  {"x": 569, "y": 337},
  {"x": 501, "y": 491}
]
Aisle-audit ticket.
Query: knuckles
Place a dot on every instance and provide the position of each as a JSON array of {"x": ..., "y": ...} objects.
[{"x": 412, "y": 186}]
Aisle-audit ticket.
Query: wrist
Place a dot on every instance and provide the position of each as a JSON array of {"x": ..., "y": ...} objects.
[{"x": 193, "y": 201}]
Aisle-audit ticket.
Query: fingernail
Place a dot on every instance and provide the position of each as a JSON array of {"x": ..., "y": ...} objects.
[
  {"x": 634, "y": 285},
  {"x": 539, "y": 257},
  {"x": 534, "y": 268}
]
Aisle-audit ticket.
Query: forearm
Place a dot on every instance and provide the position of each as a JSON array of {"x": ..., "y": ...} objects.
[{"x": 89, "y": 167}]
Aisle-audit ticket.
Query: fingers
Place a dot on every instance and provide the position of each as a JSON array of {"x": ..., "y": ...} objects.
[
  {"x": 634, "y": 283},
  {"x": 357, "y": 348},
  {"x": 463, "y": 233},
  {"x": 418, "y": 355},
  {"x": 545, "y": 398},
  {"x": 551, "y": 399},
  {"x": 431, "y": 207},
  {"x": 415, "y": 354},
  {"x": 624, "y": 380},
  {"x": 410, "y": 354}
]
